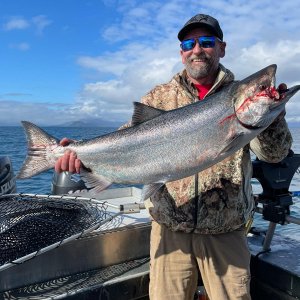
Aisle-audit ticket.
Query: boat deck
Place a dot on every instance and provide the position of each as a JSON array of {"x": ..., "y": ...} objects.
[
  {"x": 113, "y": 263},
  {"x": 275, "y": 274}
]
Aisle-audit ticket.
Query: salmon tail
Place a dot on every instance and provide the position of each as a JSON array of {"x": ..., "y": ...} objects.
[{"x": 36, "y": 160}]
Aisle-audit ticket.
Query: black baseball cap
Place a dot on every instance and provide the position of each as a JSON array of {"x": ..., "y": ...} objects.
[{"x": 201, "y": 20}]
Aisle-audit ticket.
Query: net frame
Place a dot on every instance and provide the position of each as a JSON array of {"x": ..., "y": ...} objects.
[{"x": 90, "y": 205}]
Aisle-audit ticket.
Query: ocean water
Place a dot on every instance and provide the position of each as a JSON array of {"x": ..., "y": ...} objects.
[{"x": 13, "y": 144}]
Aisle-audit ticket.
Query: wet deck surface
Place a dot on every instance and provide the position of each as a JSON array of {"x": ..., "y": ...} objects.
[
  {"x": 275, "y": 274},
  {"x": 284, "y": 253}
]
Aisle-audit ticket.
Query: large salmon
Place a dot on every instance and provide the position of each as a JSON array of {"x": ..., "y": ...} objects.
[{"x": 163, "y": 146}]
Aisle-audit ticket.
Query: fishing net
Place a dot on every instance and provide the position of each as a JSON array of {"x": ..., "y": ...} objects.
[{"x": 33, "y": 224}]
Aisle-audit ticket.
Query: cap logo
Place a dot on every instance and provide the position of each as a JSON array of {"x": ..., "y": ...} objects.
[{"x": 201, "y": 18}]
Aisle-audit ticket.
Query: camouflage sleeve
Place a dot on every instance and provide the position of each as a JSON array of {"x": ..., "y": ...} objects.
[
  {"x": 148, "y": 99},
  {"x": 274, "y": 143}
]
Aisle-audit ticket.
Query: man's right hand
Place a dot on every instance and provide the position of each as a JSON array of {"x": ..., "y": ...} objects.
[{"x": 69, "y": 161}]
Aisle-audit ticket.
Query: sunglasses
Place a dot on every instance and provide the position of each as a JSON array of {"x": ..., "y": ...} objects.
[{"x": 204, "y": 42}]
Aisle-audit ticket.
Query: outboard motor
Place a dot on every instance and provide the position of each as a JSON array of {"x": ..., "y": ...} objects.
[
  {"x": 275, "y": 180},
  {"x": 7, "y": 177},
  {"x": 66, "y": 183}
]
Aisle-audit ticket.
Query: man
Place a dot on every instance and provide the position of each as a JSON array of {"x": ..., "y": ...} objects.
[{"x": 199, "y": 221}]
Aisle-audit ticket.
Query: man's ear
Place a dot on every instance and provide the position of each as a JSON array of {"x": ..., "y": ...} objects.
[
  {"x": 222, "y": 49},
  {"x": 182, "y": 57}
]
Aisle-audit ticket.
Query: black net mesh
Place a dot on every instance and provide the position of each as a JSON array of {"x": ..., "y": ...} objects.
[
  {"x": 62, "y": 287},
  {"x": 30, "y": 223}
]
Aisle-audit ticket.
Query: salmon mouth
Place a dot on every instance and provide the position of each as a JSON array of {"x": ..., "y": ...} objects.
[
  {"x": 289, "y": 92},
  {"x": 270, "y": 92}
]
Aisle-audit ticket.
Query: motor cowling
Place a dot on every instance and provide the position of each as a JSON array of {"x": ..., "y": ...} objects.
[
  {"x": 7, "y": 177},
  {"x": 66, "y": 183}
]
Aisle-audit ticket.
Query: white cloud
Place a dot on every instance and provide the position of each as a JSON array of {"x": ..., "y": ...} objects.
[
  {"x": 21, "y": 46},
  {"x": 255, "y": 37},
  {"x": 40, "y": 22},
  {"x": 146, "y": 49},
  {"x": 16, "y": 23},
  {"x": 147, "y": 20},
  {"x": 284, "y": 53},
  {"x": 103, "y": 64},
  {"x": 41, "y": 113},
  {"x": 137, "y": 68}
]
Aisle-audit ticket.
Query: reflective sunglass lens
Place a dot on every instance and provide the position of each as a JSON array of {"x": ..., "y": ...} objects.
[
  {"x": 204, "y": 42},
  {"x": 207, "y": 42},
  {"x": 188, "y": 45}
]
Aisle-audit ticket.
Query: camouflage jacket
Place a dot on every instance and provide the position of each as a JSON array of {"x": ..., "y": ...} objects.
[{"x": 218, "y": 199}]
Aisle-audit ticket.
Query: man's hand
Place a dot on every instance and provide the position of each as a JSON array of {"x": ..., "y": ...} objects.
[
  {"x": 281, "y": 89},
  {"x": 69, "y": 161}
]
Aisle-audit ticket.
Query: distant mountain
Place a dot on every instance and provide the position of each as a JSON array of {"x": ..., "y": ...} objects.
[
  {"x": 78, "y": 123},
  {"x": 93, "y": 123}
]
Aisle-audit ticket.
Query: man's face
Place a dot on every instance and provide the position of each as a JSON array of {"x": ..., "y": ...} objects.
[{"x": 202, "y": 62}]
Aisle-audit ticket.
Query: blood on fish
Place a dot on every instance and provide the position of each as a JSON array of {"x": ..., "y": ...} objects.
[{"x": 269, "y": 92}]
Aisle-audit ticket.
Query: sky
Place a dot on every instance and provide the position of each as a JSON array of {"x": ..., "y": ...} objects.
[{"x": 70, "y": 60}]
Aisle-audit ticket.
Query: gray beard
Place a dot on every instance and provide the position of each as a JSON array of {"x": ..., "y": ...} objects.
[
  {"x": 200, "y": 71},
  {"x": 197, "y": 73}
]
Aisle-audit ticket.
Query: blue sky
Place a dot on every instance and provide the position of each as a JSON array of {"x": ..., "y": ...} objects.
[{"x": 66, "y": 60}]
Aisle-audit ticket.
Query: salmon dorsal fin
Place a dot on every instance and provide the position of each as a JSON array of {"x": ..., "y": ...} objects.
[{"x": 143, "y": 113}]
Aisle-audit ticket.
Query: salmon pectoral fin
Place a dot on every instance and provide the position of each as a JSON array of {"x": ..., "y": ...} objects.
[
  {"x": 232, "y": 144},
  {"x": 95, "y": 182},
  {"x": 150, "y": 189}
]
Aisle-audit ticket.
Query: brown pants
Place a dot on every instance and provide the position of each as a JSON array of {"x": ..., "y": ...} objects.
[{"x": 223, "y": 261}]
